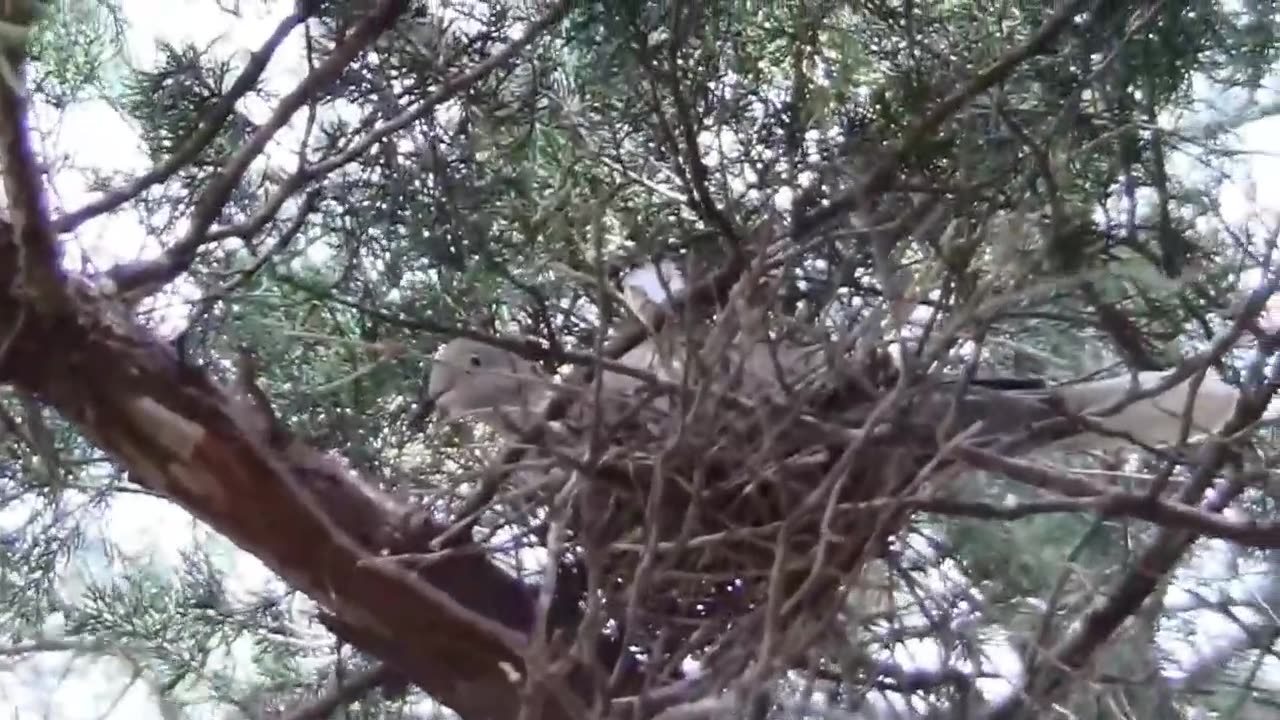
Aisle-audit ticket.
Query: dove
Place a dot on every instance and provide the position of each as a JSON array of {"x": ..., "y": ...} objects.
[
  {"x": 473, "y": 379},
  {"x": 477, "y": 380},
  {"x": 771, "y": 371},
  {"x": 1152, "y": 421}
]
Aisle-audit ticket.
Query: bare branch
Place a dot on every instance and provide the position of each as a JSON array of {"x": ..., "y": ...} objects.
[
  {"x": 204, "y": 134},
  {"x": 340, "y": 696},
  {"x": 135, "y": 278}
]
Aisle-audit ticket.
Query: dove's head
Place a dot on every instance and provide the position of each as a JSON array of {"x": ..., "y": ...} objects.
[{"x": 471, "y": 378}]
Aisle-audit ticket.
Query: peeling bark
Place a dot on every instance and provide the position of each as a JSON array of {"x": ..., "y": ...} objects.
[{"x": 457, "y": 628}]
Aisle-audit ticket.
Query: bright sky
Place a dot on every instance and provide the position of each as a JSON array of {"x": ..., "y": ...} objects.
[{"x": 145, "y": 530}]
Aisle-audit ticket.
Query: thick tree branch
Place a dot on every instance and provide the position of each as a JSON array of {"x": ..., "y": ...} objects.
[
  {"x": 458, "y": 627},
  {"x": 38, "y": 261}
]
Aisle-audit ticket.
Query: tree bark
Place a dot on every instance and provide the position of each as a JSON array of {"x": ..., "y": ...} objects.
[{"x": 458, "y": 627}]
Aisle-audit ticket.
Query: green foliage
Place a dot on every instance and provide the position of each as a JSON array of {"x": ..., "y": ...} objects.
[
  {"x": 177, "y": 96},
  {"x": 76, "y": 48},
  {"x": 497, "y": 211}
]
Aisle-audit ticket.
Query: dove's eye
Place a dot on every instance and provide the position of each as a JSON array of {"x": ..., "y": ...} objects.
[{"x": 475, "y": 361}]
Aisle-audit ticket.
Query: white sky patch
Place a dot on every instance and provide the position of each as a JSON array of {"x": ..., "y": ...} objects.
[
  {"x": 1262, "y": 172},
  {"x": 115, "y": 147},
  {"x": 652, "y": 282}
]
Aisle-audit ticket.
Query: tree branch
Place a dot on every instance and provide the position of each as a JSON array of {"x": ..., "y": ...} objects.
[
  {"x": 38, "y": 261},
  {"x": 882, "y": 175},
  {"x": 205, "y": 133},
  {"x": 1049, "y": 674},
  {"x": 138, "y": 277},
  {"x": 458, "y": 627},
  {"x": 341, "y": 696}
]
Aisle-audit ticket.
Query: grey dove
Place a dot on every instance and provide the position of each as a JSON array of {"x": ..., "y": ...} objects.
[{"x": 473, "y": 379}]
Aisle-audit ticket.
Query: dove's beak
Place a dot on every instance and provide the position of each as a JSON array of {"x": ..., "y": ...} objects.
[
  {"x": 431, "y": 404},
  {"x": 428, "y": 409}
]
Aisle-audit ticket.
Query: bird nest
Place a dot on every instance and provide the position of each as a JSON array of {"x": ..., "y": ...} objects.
[{"x": 684, "y": 521}]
